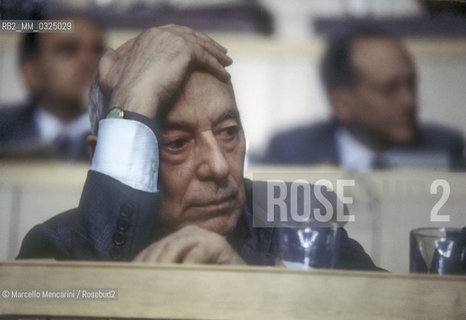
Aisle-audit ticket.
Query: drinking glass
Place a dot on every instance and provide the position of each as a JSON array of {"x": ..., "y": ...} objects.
[
  {"x": 438, "y": 250},
  {"x": 309, "y": 247}
]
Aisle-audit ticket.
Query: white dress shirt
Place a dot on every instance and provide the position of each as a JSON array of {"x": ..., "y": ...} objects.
[
  {"x": 358, "y": 158},
  {"x": 354, "y": 156},
  {"x": 50, "y": 127}
]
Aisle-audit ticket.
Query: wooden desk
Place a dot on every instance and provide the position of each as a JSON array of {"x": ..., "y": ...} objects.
[{"x": 229, "y": 292}]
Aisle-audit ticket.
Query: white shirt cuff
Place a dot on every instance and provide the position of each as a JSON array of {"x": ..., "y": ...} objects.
[{"x": 127, "y": 151}]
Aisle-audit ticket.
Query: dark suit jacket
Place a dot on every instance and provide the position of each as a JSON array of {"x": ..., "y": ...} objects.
[
  {"x": 316, "y": 144},
  {"x": 19, "y": 137},
  {"x": 17, "y": 124},
  {"x": 116, "y": 222}
]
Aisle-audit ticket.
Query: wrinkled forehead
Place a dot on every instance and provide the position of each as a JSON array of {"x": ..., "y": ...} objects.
[{"x": 202, "y": 100}]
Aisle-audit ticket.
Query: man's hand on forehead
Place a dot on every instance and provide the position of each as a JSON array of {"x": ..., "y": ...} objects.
[
  {"x": 148, "y": 70},
  {"x": 191, "y": 244}
]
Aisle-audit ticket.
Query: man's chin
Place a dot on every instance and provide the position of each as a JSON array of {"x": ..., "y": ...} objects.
[{"x": 221, "y": 224}]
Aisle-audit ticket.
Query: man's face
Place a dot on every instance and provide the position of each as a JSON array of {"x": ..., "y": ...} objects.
[
  {"x": 383, "y": 100},
  {"x": 67, "y": 63},
  {"x": 202, "y": 150}
]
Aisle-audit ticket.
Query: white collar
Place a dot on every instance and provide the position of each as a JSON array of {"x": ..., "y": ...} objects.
[
  {"x": 354, "y": 155},
  {"x": 50, "y": 127}
]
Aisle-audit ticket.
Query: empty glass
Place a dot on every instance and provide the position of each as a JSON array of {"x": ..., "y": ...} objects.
[
  {"x": 438, "y": 250},
  {"x": 309, "y": 247}
]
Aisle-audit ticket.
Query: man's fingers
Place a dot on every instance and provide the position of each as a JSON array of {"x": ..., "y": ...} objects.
[
  {"x": 218, "y": 71},
  {"x": 198, "y": 255},
  {"x": 190, "y": 245},
  {"x": 202, "y": 36},
  {"x": 174, "y": 252},
  {"x": 154, "y": 252},
  {"x": 211, "y": 64},
  {"x": 213, "y": 48},
  {"x": 219, "y": 254},
  {"x": 224, "y": 59},
  {"x": 167, "y": 250},
  {"x": 124, "y": 48},
  {"x": 140, "y": 256},
  {"x": 195, "y": 39},
  {"x": 150, "y": 254},
  {"x": 210, "y": 40}
]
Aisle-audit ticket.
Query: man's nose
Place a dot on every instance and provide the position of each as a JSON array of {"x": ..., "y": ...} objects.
[{"x": 213, "y": 164}]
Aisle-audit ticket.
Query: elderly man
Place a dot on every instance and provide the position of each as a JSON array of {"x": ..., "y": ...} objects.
[
  {"x": 57, "y": 69},
  {"x": 166, "y": 183},
  {"x": 371, "y": 83}
]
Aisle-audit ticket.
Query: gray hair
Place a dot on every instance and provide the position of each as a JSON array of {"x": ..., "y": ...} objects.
[{"x": 98, "y": 105}]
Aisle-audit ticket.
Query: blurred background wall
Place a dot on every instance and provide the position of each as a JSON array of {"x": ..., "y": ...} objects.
[{"x": 276, "y": 46}]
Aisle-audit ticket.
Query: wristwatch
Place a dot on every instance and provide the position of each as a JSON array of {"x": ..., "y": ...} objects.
[
  {"x": 116, "y": 113},
  {"x": 119, "y": 113}
]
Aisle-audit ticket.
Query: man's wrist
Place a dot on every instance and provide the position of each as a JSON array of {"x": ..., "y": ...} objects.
[
  {"x": 120, "y": 113},
  {"x": 134, "y": 100}
]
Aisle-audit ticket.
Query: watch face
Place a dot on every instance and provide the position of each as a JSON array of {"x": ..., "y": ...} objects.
[{"x": 115, "y": 113}]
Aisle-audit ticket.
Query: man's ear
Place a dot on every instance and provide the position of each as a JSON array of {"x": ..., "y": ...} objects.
[
  {"x": 32, "y": 76},
  {"x": 91, "y": 143},
  {"x": 341, "y": 99}
]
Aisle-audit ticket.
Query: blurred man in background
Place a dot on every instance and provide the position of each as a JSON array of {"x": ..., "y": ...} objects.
[
  {"x": 371, "y": 83},
  {"x": 57, "y": 69}
]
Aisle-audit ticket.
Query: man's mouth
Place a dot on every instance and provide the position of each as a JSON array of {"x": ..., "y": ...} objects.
[{"x": 220, "y": 205}]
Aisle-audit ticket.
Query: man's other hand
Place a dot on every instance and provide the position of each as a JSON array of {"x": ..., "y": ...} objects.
[
  {"x": 191, "y": 244},
  {"x": 148, "y": 70}
]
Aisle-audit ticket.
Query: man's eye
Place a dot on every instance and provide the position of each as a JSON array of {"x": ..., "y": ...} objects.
[
  {"x": 228, "y": 133},
  {"x": 176, "y": 145}
]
